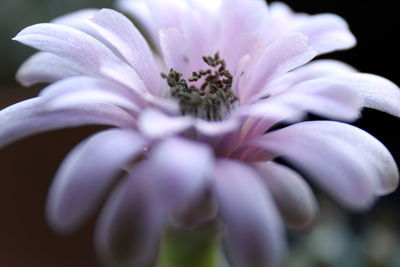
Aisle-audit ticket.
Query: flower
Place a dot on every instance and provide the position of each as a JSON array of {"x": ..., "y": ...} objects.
[{"x": 196, "y": 144}]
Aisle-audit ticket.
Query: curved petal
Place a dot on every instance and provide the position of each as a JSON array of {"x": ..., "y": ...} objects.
[
  {"x": 254, "y": 234},
  {"x": 76, "y": 19},
  {"x": 47, "y": 68},
  {"x": 86, "y": 175},
  {"x": 155, "y": 124},
  {"x": 378, "y": 92},
  {"x": 123, "y": 35},
  {"x": 325, "y": 96},
  {"x": 291, "y": 194},
  {"x": 332, "y": 162},
  {"x": 82, "y": 90},
  {"x": 181, "y": 170},
  {"x": 327, "y": 33},
  {"x": 371, "y": 150},
  {"x": 33, "y": 116},
  {"x": 129, "y": 228},
  {"x": 80, "y": 48},
  {"x": 285, "y": 54}
]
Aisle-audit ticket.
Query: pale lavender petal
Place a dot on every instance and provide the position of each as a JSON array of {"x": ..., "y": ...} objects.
[
  {"x": 129, "y": 228},
  {"x": 80, "y": 48},
  {"x": 371, "y": 150},
  {"x": 333, "y": 163},
  {"x": 324, "y": 96},
  {"x": 181, "y": 170},
  {"x": 378, "y": 92},
  {"x": 47, "y": 68},
  {"x": 123, "y": 35},
  {"x": 76, "y": 19},
  {"x": 86, "y": 175},
  {"x": 82, "y": 90},
  {"x": 291, "y": 193},
  {"x": 155, "y": 124},
  {"x": 253, "y": 228},
  {"x": 327, "y": 33},
  {"x": 217, "y": 128},
  {"x": 33, "y": 116},
  {"x": 285, "y": 54}
]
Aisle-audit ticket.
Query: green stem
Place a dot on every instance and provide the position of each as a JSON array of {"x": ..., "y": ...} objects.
[{"x": 194, "y": 248}]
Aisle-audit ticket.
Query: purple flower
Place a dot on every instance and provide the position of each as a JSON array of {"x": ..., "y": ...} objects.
[{"x": 195, "y": 144}]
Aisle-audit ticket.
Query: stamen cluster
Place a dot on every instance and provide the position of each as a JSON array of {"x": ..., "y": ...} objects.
[{"x": 213, "y": 100}]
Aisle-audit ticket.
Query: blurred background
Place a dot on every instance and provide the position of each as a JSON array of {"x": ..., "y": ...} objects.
[{"x": 339, "y": 238}]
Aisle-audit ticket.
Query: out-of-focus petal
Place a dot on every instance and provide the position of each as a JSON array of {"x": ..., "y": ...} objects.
[
  {"x": 291, "y": 193},
  {"x": 285, "y": 54},
  {"x": 181, "y": 170},
  {"x": 155, "y": 124},
  {"x": 33, "y": 116},
  {"x": 129, "y": 228},
  {"x": 47, "y": 68},
  {"x": 253, "y": 229},
  {"x": 76, "y": 19},
  {"x": 334, "y": 163},
  {"x": 86, "y": 175},
  {"x": 123, "y": 35}
]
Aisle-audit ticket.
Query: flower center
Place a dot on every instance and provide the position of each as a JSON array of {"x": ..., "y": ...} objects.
[{"x": 213, "y": 99}]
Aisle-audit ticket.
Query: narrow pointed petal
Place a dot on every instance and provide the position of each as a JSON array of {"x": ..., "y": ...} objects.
[
  {"x": 128, "y": 230},
  {"x": 285, "y": 54},
  {"x": 334, "y": 163},
  {"x": 86, "y": 175},
  {"x": 82, "y": 90},
  {"x": 80, "y": 48},
  {"x": 33, "y": 116},
  {"x": 129, "y": 42},
  {"x": 254, "y": 234},
  {"x": 47, "y": 68},
  {"x": 291, "y": 193}
]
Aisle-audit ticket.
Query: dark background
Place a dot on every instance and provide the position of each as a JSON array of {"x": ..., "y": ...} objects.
[{"x": 27, "y": 167}]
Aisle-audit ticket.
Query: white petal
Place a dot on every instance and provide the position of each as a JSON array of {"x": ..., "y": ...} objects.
[
  {"x": 86, "y": 175},
  {"x": 254, "y": 234}
]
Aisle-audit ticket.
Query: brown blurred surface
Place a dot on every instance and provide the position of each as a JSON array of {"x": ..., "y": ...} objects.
[{"x": 27, "y": 168}]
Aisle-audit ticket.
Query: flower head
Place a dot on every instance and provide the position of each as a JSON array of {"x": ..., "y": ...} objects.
[{"x": 193, "y": 107}]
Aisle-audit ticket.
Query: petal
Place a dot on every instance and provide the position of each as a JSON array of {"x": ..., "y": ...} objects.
[
  {"x": 291, "y": 193},
  {"x": 327, "y": 33},
  {"x": 372, "y": 150},
  {"x": 86, "y": 175},
  {"x": 82, "y": 90},
  {"x": 181, "y": 170},
  {"x": 33, "y": 116},
  {"x": 123, "y": 35},
  {"x": 324, "y": 96},
  {"x": 378, "y": 92},
  {"x": 254, "y": 234},
  {"x": 47, "y": 68},
  {"x": 330, "y": 161},
  {"x": 76, "y": 19},
  {"x": 285, "y": 54},
  {"x": 80, "y": 48},
  {"x": 128, "y": 230},
  {"x": 155, "y": 124}
]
